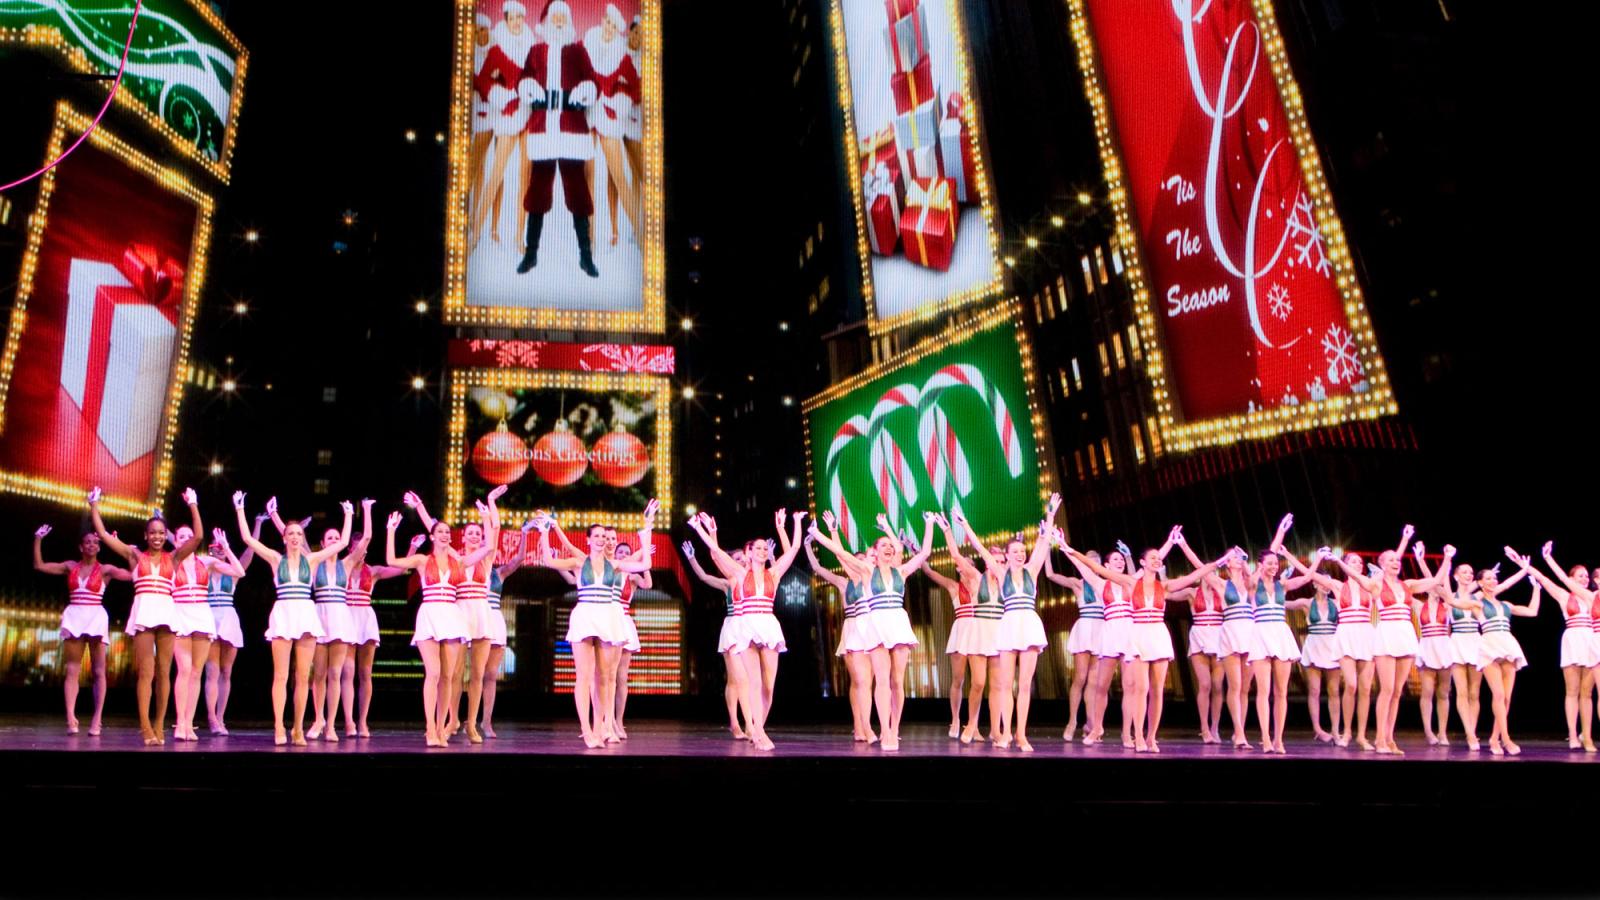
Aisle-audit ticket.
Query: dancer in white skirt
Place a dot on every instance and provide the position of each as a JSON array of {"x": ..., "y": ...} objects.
[
  {"x": 855, "y": 643},
  {"x": 497, "y": 629},
  {"x": 1499, "y": 653},
  {"x": 1435, "y": 652},
  {"x": 1082, "y": 639},
  {"x": 1021, "y": 634},
  {"x": 230, "y": 635},
  {"x": 1466, "y": 642},
  {"x": 1396, "y": 646},
  {"x": 976, "y": 598},
  {"x": 755, "y": 584},
  {"x": 1226, "y": 598},
  {"x": 728, "y": 644},
  {"x": 153, "y": 618},
  {"x": 292, "y": 626},
  {"x": 595, "y": 630},
  {"x": 1150, "y": 643},
  {"x": 1357, "y": 637},
  {"x": 884, "y": 586},
  {"x": 355, "y": 687},
  {"x": 1319, "y": 660},
  {"x": 1273, "y": 651},
  {"x": 1110, "y": 641},
  {"x": 1580, "y": 650},
  {"x": 330, "y": 586},
  {"x": 191, "y": 598},
  {"x": 83, "y": 622},
  {"x": 625, "y": 590},
  {"x": 441, "y": 629}
]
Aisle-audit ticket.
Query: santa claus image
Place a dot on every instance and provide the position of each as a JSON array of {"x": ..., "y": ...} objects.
[
  {"x": 558, "y": 85},
  {"x": 495, "y": 87},
  {"x": 617, "y": 78},
  {"x": 482, "y": 126}
]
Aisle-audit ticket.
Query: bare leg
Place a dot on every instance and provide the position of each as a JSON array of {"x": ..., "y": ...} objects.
[
  {"x": 72, "y": 659},
  {"x": 1508, "y": 677},
  {"x": 304, "y": 649},
  {"x": 450, "y": 655},
  {"x": 958, "y": 680},
  {"x": 1002, "y": 690},
  {"x": 163, "y": 685},
  {"x": 1347, "y": 669},
  {"x": 1441, "y": 693},
  {"x": 189, "y": 672},
  {"x": 635, "y": 151},
  {"x": 732, "y": 690},
  {"x": 1027, "y": 660},
  {"x": 479, "y": 157},
  {"x": 898, "y": 657},
  {"x": 1261, "y": 670},
  {"x": 280, "y": 688},
  {"x": 1200, "y": 663},
  {"x": 994, "y": 697},
  {"x": 980, "y": 673},
  {"x": 1314, "y": 702},
  {"x": 347, "y": 690},
  {"x": 1157, "y": 701},
  {"x": 881, "y": 696},
  {"x": 1586, "y": 711},
  {"x": 860, "y": 669},
  {"x": 1135, "y": 700},
  {"x": 749, "y": 663},
  {"x": 1219, "y": 681},
  {"x": 213, "y": 672},
  {"x": 364, "y": 659},
  {"x": 623, "y": 662},
  {"x": 1366, "y": 673},
  {"x": 1280, "y": 695},
  {"x": 609, "y": 656},
  {"x": 491, "y": 686},
  {"x": 1233, "y": 668},
  {"x": 1474, "y": 694},
  {"x": 429, "y": 650},
  {"x": 144, "y": 659},
  {"x": 1099, "y": 698},
  {"x": 479, "y": 651},
  {"x": 97, "y": 662},
  {"x": 338, "y": 651},
  {"x": 768, "y": 659},
  {"x": 612, "y": 148},
  {"x": 490, "y": 196},
  {"x": 1429, "y": 679},
  {"x": 319, "y": 690},
  {"x": 1388, "y": 690},
  {"x": 1082, "y": 669},
  {"x": 1335, "y": 684},
  {"x": 183, "y": 655}
]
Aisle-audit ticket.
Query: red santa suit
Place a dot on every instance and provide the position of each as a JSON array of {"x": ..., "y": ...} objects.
[
  {"x": 558, "y": 83},
  {"x": 633, "y": 126},
  {"x": 480, "y": 55},
  {"x": 496, "y": 81},
  {"x": 616, "y": 77}
]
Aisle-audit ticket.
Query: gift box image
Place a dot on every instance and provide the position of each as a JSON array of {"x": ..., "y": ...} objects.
[
  {"x": 928, "y": 224},
  {"x": 116, "y": 356},
  {"x": 898, "y": 8},
  {"x": 881, "y": 195},
  {"x": 921, "y": 162},
  {"x": 907, "y": 38},
  {"x": 911, "y": 89},
  {"x": 917, "y": 128},
  {"x": 955, "y": 152}
]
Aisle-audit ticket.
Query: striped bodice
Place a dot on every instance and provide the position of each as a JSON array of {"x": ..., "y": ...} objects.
[
  {"x": 1577, "y": 612},
  {"x": 597, "y": 587},
  {"x": 753, "y": 596},
  {"x": 1017, "y": 590},
  {"x": 1434, "y": 618},
  {"x": 330, "y": 589},
  {"x": 1234, "y": 608},
  {"x": 1322, "y": 617},
  {"x": 1118, "y": 606},
  {"x": 219, "y": 590},
  {"x": 1269, "y": 603},
  {"x": 964, "y": 605},
  {"x": 497, "y": 587},
  {"x": 440, "y": 585},
  {"x": 153, "y": 574},
  {"x": 852, "y": 600},
  {"x": 475, "y": 581},
  {"x": 1206, "y": 606},
  {"x": 292, "y": 585},
  {"x": 86, "y": 586},
  {"x": 1496, "y": 616},
  {"x": 359, "y": 590},
  {"x": 191, "y": 580},
  {"x": 1089, "y": 605},
  {"x": 988, "y": 606},
  {"x": 625, "y": 595},
  {"x": 1149, "y": 598},
  {"x": 890, "y": 594},
  {"x": 1355, "y": 605},
  {"x": 1393, "y": 606},
  {"x": 1462, "y": 621}
]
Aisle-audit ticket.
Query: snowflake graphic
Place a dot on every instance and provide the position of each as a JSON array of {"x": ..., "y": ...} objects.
[
  {"x": 1303, "y": 228},
  {"x": 1316, "y": 390},
  {"x": 1278, "y": 298},
  {"x": 632, "y": 358},
  {"x": 1339, "y": 349},
  {"x": 511, "y": 354},
  {"x": 1289, "y": 399}
]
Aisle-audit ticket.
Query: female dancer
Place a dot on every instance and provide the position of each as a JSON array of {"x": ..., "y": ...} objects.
[
  {"x": 497, "y": 629},
  {"x": 152, "y": 619},
  {"x": 1205, "y": 599},
  {"x": 1357, "y": 637},
  {"x": 633, "y": 128},
  {"x": 1112, "y": 643},
  {"x": 1396, "y": 645},
  {"x": 619, "y": 91},
  {"x": 230, "y": 636},
  {"x": 1084, "y": 637},
  {"x": 623, "y": 596},
  {"x": 1466, "y": 644},
  {"x": 1435, "y": 652},
  {"x": 1150, "y": 649},
  {"x": 1273, "y": 651},
  {"x": 1319, "y": 659},
  {"x": 293, "y": 626},
  {"x": 884, "y": 584},
  {"x": 191, "y": 598},
  {"x": 595, "y": 630},
  {"x": 330, "y": 589},
  {"x": 1580, "y": 652},
  {"x": 728, "y": 645},
  {"x": 356, "y": 674},
  {"x": 973, "y": 634},
  {"x": 440, "y": 628},
  {"x": 853, "y": 644},
  {"x": 84, "y": 620},
  {"x": 1499, "y": 653}
]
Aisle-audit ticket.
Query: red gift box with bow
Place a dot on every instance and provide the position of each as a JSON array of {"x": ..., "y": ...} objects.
[{"x": 928, "y": 225}]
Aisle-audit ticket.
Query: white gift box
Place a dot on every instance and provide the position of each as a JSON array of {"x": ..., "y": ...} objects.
[
  {"x": 137, "y": 372},
  {"x": 950, "y": 138},
  {"x": 906, "y": 39},
  {"x": 918, "y": 128},
  {"x": 85, "y": 277}
]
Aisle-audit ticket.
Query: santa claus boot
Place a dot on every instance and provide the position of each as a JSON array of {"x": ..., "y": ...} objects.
[
  {"x": 531, "y": 258},
  {"x": 580, "y": 224}
]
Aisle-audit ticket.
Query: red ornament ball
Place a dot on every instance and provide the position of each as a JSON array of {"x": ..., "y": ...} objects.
[
  {"x": 500, "y": 457},
  {"x": 620, "y": 459},
  {"x": 559, "y": 457}
]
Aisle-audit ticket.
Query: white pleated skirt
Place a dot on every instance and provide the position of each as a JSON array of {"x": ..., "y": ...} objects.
[
  {"x": 497, "y": 627},
  {"x": 1466, "y": 647},
  {"x": 1396, "y": 639},
  {"x": 151, "y": 610},
  {"x": 1579, "y": 648},
  {"x": 1020, "y": 629},
  {"x": 1085, "y": 635},
  {"x": 1436, "y": 652},
  {"x": 600, "y": 621},
  {"x": 1236, "y": 638},
  {"x": 85, "y": 621},
  {"x": 1357, "y": 641},
  {"x": 365, "y": 620},
  {"x": 337, "y": 623},
  {"x": 974, "y": 637},
  {"x": 1151, "y": 642},
  {"x": 762, "y": 630},
  {"x": 1500, "y": 645},
  {"x": 1320, "y": 652},
  {"x": 292, "y": 620},
  {"x": 439, "y": 621},
  {"x": 194, "y": 619},
  {"x": 632, "y": 645},
  {"x": 858, "y": 636},
  {"x": 733, "y": 639},
  {"x": 1273, "y": 640},
  {"x": 893, "y": 626},
  {"x": 1205, "y": 639},
  {"x": 476, "y": 612},
  {"x": 1115, "y": 638}
]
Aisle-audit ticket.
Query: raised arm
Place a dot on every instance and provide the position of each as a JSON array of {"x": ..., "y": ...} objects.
[
  {"x": 1531, "y": 608},
  {"x": 415, "y": 503},
  {"x": 1434, "y": 581},
  {"x": 1312, "y": 572},
  {"x": 853, "y": 567},
  {"x": 1405, "y": 538},
  {"x": 411, "y": 561},
  {"x": 1044, "y": 539},
  {"x": 222, "y": 559},
  {"x": 1178, "y": 584},
  {"x": 838, "y": 581},
  {"x": 183, "y": 550},
  {"x": 922, "y": 553},
  {"x": 39, "y": 564},
  {"x": 642, "y": 561},
  {"x": 262, "y": 550},
  {"x": 950, "y": 585},
  {"x": 338, "y": 546},
  {"x": 990, "y": 561},
  {"x": 1075, "y": 585},
  {"x": 515, "y": 562},
  {"x": 249, "y": 555},
  {"x": 721, "y": 584},
  {"x": 1548, "y": 552},
  {"x": 106, "y": 537},
  {"x": 707, "y": 529},
  {"x": 1354, "y": 573}
]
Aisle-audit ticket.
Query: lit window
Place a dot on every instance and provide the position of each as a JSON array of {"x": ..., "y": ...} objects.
[
  {"x": 5, "y": 210},
  {"x": 324, "y": 457},
  {"x": 822, "y": 286},
  {"x": 1077, "y": 375},
  {"x": 1049, "y": 308},
  {"x": 1105, "y": 361},
  {"x": 1094, "y": 466},
  {"x": 810, "y": 246},
  {"x": 1116, "y": 255},
  {"x": 819, "y": 230},
  {"x": 1038, "y": 314},
  {"x": 1155, "y": 435},
  {"x": 1061, "y": 292},
  {"x": 330, "y": 395},
  {"x": 1133, "y": 343},
  {"x": 1077, "y": 460},
  {"x": 1100, "y": 264},
  {"x": 1088, "y": 276},
  {"x": 1105, "y": 450},
  {"x": 320, "y": 487},
  {"x": 1066, "y": 386},
  {"x": 1116, "y": 350},
  {"x": 1138, "y": 443}
]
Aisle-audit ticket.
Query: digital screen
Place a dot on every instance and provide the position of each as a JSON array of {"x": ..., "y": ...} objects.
[
  {"x": 925, "y": 229},
  {"x": 185, "y": 70},
  {"x": 555, "y": 166},
  {"x": 593, "y": 446},
  {"x": 1239, "y": 275},
  {"x": 98, "y": 341},
  {"x": 484, "y": 353},
  {"x": 947, "y": 427}
]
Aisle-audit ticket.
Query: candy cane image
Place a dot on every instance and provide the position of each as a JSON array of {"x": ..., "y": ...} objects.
[{"x": 891, "y": 473}]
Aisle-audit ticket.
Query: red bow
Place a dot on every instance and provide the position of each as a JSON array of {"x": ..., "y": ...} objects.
[{"x": 158, "y": 280}]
